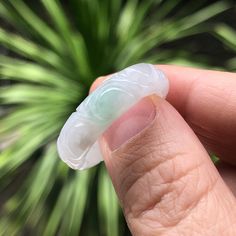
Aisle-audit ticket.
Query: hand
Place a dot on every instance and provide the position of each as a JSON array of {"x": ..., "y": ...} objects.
[{"x": 157, "y": 159}]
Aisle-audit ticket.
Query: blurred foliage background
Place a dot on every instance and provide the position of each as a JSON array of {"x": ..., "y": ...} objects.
[{"x": 50, "y": 53}]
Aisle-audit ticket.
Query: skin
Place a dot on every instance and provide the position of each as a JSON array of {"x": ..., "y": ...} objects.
[{"x": 157, "y": 156}]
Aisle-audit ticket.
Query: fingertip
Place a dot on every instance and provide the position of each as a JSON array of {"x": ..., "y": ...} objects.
[{"x": 96, "y": 83}]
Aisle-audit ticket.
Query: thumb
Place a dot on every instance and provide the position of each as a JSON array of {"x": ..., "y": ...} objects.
[{"x": 163, "y": 176}]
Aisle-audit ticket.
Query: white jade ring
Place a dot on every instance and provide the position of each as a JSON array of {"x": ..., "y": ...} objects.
[{"x": 77, "y": 143}]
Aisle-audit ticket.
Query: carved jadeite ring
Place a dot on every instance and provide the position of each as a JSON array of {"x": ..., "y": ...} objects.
[{"x": 78, "y": 141}]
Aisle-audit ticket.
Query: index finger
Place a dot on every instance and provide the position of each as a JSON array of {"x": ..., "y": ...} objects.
[{"x": 207, "y": 101}]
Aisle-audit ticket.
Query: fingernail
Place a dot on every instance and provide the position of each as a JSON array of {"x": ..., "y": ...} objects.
[{"x": 130, "y": 124}]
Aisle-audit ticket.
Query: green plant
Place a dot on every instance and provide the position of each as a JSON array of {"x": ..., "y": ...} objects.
[{"x": 53, "y": 58}]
